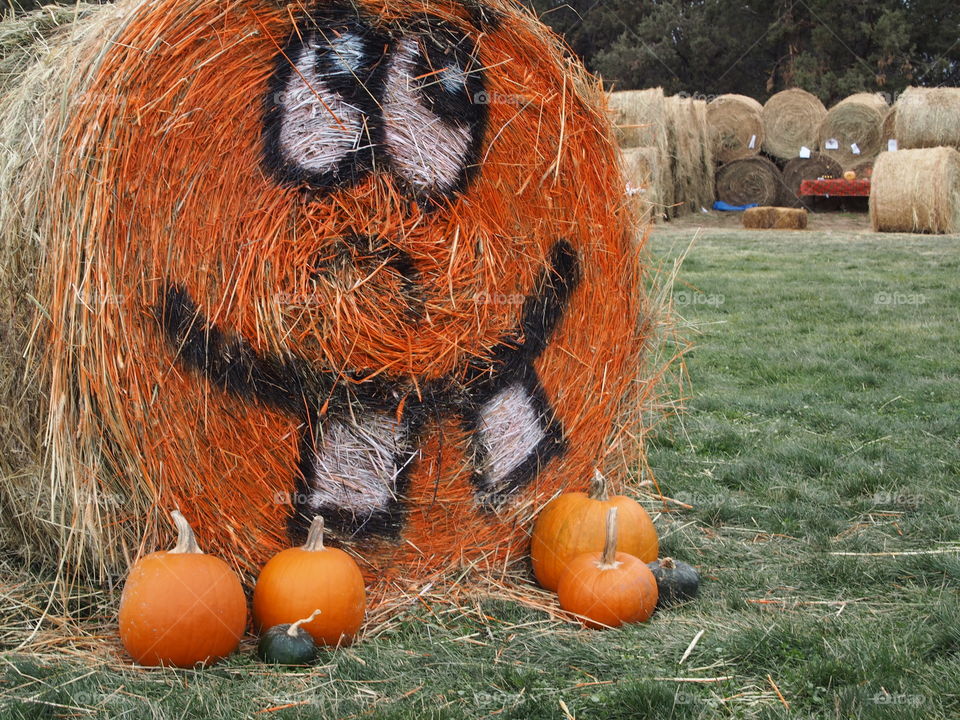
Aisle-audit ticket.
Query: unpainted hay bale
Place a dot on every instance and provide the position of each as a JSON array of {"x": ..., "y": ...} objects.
[
  {"x": 691, "y": 159},
  {"x": 916, "y": 191},
  {"x": 817, "y": 166},
  {"x": 736, "y": 127},
  {"x": 226, "y": 296},
  {"x": 855, "y": 121},
  {"x": 791, "y": 121},
  {"x": 641, "y": 170},
  {"x": 775, "y": 218},
  {"x": 928, "y": 117},
  {"x": 749, "y": 181},
  {"x": 641, "y": 119}
]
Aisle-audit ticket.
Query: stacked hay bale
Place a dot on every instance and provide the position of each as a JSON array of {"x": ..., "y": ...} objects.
[
  {"x": 791, "y": 122},
  {"x": 640, "y": 120},
  {"x": 852, "y": 131},
  {"x": 927, "y": 118},
  {"x": 736, "y": 127},
  {"x": 666, "y": 149},
  {"x": 749, "y": 181},
  {"x": 916, "y": 191}
]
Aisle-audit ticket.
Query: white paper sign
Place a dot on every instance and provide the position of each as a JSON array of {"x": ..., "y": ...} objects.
[
  {"x": 753, "y": 142},
  {"x": 832, "y": 144},
  {"x": 892, "y": 145},
  {"x": 804, "y": 152},
  {"x": 854, "y": 148}
]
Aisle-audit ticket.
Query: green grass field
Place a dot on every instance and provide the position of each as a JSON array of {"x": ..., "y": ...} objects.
[{"x": 820, "y": 459}]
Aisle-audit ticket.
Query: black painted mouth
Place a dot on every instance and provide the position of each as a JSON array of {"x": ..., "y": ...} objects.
[{"x": 375, "y": 422}]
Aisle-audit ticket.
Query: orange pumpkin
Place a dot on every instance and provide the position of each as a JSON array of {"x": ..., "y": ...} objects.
[
  {"x": 610, "y": 588},
  {"x": 181, "y": 607},
  {"x": 573, "y": 523},
  {"x": 299, "y": 581}
]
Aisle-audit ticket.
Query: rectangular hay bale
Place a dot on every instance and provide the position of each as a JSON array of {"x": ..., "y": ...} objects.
[{"x": 775, "y": 218}]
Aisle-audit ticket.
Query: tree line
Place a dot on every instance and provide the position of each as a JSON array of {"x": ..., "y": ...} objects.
[{"x": 757, "y": 47}]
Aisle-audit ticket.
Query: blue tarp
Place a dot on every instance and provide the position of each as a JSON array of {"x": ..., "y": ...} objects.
[{"x": 726, "y": 207}]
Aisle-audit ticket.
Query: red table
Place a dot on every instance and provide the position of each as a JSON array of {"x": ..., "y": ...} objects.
[{"x": 836, "y": 188}]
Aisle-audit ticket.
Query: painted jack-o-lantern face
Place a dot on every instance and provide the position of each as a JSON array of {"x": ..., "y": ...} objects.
[{"x": 376, "y": 266}]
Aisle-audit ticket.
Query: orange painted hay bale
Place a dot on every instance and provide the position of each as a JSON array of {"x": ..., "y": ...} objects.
[
  {"x": 791, "y": 121},
  {"x": 736, "y": 125},
  {"x": 851, "y": 131},
  {"x": 928, "y": 118},
  {"x": 775, "y": 218},
  {"x": 916, "y": 191},
  {"x": 815, "y": 167},
  {"x": 371, "y": 261},
  {"x": 750, "y": 181}
]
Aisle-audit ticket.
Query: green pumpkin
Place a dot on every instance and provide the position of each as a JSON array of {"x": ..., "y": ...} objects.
[
  {"x": 288, "y": 644},
  {"x": 677, "y": 582}
]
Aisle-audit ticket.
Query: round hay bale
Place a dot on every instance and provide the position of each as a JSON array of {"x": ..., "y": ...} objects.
[
  {"x": 749, "y": 181},
  {"x": 815, "y": 167},
  {"x": 928, "y": 117},
  {"x": 736, "y": 126},
  {"x": 775, "y": 218},
  {"x": 856, "y": 121},
  {"x": 916, "y": 191},
  {"x": 791, "y": 121},
  {"x": 219, "y": 303}
]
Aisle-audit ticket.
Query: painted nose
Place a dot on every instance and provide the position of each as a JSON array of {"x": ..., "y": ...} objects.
[{"x": 347, "y": 100}]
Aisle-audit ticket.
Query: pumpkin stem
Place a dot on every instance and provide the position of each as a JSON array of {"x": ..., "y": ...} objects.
[
  {"x": 315, "y": 535},
  {"x": 609, "y": 557},
  {"x": 600, "y": 487},
  {"x": 186, "y": 540},
  {"x": 668, "y": 563},
  {"x": 292, "y": 630}
]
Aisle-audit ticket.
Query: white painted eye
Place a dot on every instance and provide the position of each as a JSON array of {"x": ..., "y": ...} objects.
[
  {"x": 319, "y": 129},
  {"x": 427, "y": 151}
]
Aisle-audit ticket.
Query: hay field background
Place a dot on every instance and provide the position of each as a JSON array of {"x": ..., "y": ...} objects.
[{"x": 817, "y": 467}]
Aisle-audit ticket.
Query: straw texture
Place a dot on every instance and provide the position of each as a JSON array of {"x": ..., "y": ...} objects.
[
  {"x": 791, "y": 121},
  {"x": 928, "y": 117},
  {"x": 750, "y": 181},
  {"x": 854, "y": 121},
  {"x": 374, "y": 263},
  {"x": 916, "y": 191},
  {"x": 736, "y": 125}
]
